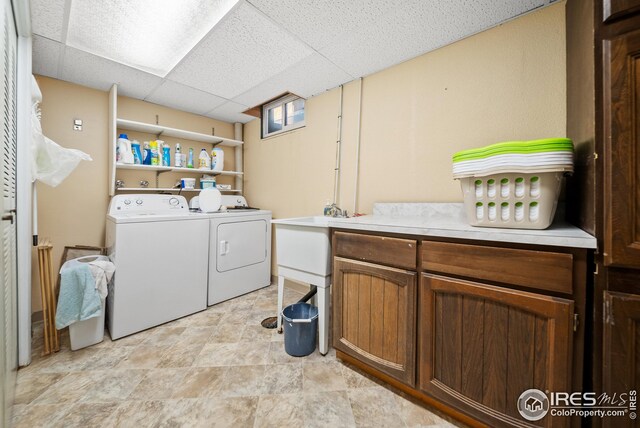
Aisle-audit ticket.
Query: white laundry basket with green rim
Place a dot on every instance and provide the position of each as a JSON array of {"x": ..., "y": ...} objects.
[
  {"x": 513, "y": 184},
  {"x": 512, "y": 200}
]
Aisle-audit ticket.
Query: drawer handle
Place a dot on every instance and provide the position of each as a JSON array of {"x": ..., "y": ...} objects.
[{"x": 8, "y": 217}]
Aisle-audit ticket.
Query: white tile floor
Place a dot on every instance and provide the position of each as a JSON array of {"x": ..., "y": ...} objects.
[{"x": 215, "y": 368}]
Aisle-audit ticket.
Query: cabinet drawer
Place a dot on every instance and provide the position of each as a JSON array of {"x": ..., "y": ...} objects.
[
  {"x": 536, "y": 269},
  {"x": 378, "y": 249}
]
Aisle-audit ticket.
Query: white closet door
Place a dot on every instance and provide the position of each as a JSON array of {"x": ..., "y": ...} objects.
[{"x": 8, "y": 286}]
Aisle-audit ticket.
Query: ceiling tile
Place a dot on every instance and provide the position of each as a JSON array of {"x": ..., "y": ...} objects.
[
  {"x": 100, "y": 73},
  {"x": 243, "y": 50},
  {"x": 312, "y": 75},
  {"x": 181, "y": 97},
  {"x": 151, "y": 35},
  {"x": 230, "y": 112},
  {"x": 367, "y": 36},
  {"x": 324, "y": 22},
  {"x": 46, "y": 56},
  {"x": 47, "y": 18}
]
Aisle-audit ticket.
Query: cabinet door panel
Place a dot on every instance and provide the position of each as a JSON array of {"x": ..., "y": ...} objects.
[
  {"x": 375, "y": 316},
  {"x": 473, "y": 345},
  {"x": 615, "y": 9},
  {"x": 621, "y": 359},
  {"x": 481, "y": 346},
  {"x": 494, "y": 355},
  {"x": 622, "y": 151}
]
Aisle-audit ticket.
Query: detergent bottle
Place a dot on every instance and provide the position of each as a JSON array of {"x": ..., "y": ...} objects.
[
  {"x": 204, "y": 160},
  {"x": 153, "y": 145},
  {"x": 123, "y": 150},
  {"x": 217, "y": 159},
  {"x": 137, "y": 154}
]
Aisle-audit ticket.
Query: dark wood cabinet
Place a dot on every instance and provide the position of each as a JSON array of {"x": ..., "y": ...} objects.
[
  {"x": 622, "y": 150},
  {"x": 621, "y": 356},
  {"x": 374, "y": 316},
  {"x": 617, "y": 9},
  {"x": 616, "y": 349},
  {"x": 481, "y": 346},
  {"x": 468, "y": 327}
]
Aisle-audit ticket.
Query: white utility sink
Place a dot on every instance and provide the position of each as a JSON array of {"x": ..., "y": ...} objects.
[
  {"x": 303, "y": 249},
  {"x": 302, "y": 245}
]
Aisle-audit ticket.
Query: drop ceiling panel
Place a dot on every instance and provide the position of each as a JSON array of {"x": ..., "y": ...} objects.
[
  {"x": 230, "y": 112},
  {"x": 181, "y": 97},
  {"x": 312, "y": 75},
  {"x": 46, "y": 56},
  {"x": 47, "y": 18},
  {"x": 243, "y": 50},
  {"x": 100, "y": 73},
  {"x": 365, "y": 37},
  {"x": 326, "y": 22}
]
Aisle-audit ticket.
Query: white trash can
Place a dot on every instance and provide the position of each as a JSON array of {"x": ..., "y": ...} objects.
[{"x": 88, "y": 332}]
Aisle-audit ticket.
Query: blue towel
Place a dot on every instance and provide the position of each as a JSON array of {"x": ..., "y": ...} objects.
[{"x": 78, "y": 300}]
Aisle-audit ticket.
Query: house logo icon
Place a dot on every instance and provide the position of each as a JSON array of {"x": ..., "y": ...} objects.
[{"x": 533, "y": 404}]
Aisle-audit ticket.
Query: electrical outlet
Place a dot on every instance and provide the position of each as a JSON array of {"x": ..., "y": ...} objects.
[{"x": 77, "y": 124}]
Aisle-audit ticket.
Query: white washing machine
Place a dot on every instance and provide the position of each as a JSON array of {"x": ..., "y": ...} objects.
[
  {"x": 156, "y": 245},
  {"x": 240, "y": 250}
]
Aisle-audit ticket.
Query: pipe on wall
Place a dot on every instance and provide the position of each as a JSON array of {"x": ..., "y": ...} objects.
[
  {"x": 237, "y": 129},
  {"x": 336, "y": 178},
  {"x": 357, "y": 174}
]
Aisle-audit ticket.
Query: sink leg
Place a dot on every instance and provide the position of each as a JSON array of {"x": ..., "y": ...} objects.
[
  {"x": 280, "y": 302},
  {"x": 323, "y": 319}
]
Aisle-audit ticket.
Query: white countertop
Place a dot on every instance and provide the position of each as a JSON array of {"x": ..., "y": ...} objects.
[{"x": 447, "y": 221}]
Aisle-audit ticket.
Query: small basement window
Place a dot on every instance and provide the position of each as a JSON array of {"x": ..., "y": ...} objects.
[{"x": 281, "y": 115}]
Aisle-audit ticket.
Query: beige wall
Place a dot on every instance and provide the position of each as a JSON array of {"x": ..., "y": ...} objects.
[
  {"x": 581, "y": 115},
  {"x": 74, "y": 212},
  {"x": 503, "y": 84}
]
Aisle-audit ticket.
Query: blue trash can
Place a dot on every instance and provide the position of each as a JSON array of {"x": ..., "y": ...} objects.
[{"x": 300, "y": 326}]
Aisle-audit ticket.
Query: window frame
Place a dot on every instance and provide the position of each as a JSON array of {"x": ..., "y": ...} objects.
[{"x": 282, "y": 101}]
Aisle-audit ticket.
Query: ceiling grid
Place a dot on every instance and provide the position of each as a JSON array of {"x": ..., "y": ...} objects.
[{"x": 245, "y": 52}]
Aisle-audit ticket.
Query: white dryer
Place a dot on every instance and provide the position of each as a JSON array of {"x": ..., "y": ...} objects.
[
  {"x": 155, "y": 243},
  {"x": 240, "y": 250}
]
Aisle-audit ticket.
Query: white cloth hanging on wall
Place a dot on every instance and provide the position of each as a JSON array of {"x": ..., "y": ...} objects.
[{"x": 51, "y": 163}]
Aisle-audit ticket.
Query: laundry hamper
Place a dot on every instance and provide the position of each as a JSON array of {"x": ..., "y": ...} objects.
[
  {"x": 512, "y": 200},
  {"x": 513, "y": 184}
]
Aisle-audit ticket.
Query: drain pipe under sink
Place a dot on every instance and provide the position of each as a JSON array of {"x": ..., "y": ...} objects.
[{"x": 272, "y": 322}]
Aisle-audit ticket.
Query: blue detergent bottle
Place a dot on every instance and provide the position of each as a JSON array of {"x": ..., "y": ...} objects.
[{"x": 137, "y": 154}]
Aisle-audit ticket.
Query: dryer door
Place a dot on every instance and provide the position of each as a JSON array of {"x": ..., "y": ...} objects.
[{"x": 241, "y": 243}]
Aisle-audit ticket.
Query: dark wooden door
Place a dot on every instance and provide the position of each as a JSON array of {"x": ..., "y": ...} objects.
[
  {"x": 622, "y": 151},
  {"x": 374, "y": 316},
  {"x": 621, "y": 359},
  {"x": 481, "y": 346}
]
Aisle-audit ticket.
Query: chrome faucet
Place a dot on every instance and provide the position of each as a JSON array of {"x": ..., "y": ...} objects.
[{"x": 335, "y": 211}]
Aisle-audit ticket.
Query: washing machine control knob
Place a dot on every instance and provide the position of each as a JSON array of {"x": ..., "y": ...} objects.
[
  {"x": 139, "y": 201},
  {"x": 174, "y": 202},
  {"x": 127, "y": 201}
]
